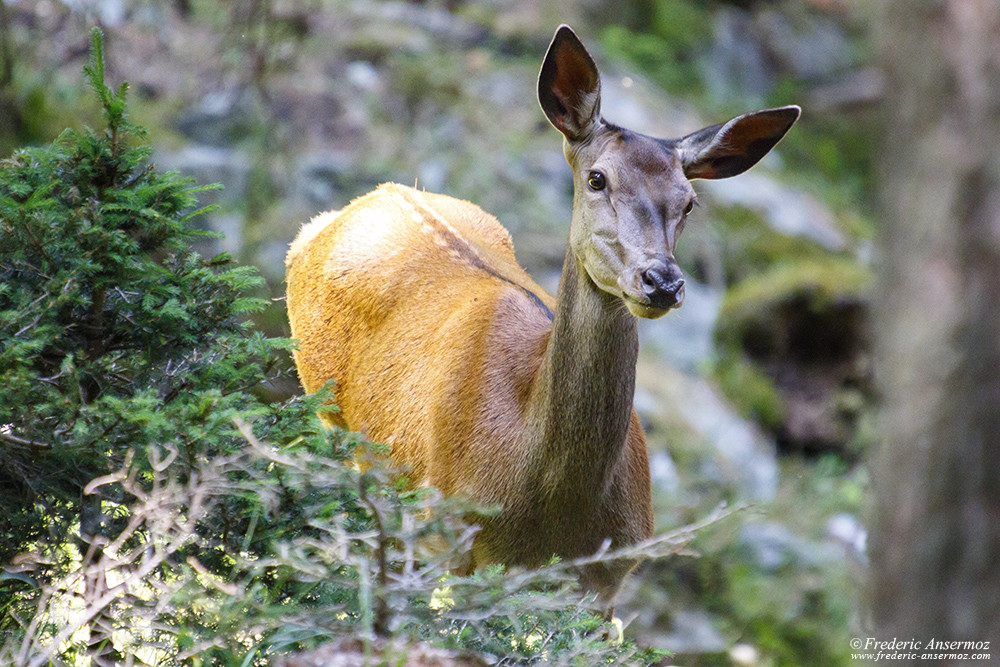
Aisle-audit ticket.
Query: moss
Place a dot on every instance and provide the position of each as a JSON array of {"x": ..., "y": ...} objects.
[
  {"x": 751, "y": 309},
  {"x": 750, "y": 245},
  {"x": 796, "y": 329},
  {"x": 736, "y": 243},
  {"x": 751, "y": 391},
  {"x": 830, "y": 482}
]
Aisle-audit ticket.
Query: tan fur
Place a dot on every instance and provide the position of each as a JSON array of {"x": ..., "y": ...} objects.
[
  {"x": 414, "y": 303},
  {"x": 385, "y": 299}
]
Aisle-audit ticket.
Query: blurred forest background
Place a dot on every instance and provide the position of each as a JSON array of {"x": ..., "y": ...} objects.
[{"x": 758, "y": 391}]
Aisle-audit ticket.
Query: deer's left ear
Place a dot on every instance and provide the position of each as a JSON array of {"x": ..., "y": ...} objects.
[{"x": 729, "y": 149}]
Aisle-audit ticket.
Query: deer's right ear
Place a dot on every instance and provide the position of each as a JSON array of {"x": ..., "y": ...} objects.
[{"x": 569, "y": 86}]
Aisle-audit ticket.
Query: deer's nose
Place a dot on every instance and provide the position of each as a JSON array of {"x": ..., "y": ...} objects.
[{"x": 663, "y": 284}]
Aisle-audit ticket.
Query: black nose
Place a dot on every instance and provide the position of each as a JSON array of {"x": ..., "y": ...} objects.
[{"x": 662, "y": 284}]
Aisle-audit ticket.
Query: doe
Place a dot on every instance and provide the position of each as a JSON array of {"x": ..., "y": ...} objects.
[{"x": 442, "y": 345}]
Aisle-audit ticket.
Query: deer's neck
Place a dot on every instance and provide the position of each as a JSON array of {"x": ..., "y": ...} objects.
[{"x": 585, "y": 385}]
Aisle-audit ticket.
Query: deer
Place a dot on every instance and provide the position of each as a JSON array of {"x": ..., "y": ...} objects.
[{"x": 484, "y": 385}]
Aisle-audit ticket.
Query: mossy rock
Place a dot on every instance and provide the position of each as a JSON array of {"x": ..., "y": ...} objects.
[
  {"x": 751, "y": 246},
  {"x": 810, "y": 310},
  {"x": 793, "y": 352}
]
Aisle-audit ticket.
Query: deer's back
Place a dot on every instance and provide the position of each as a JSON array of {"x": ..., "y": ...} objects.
[{"x": 414, "y": 304}]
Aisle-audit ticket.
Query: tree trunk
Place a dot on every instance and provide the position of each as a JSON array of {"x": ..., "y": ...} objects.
[{"x": 936, "y": 477}]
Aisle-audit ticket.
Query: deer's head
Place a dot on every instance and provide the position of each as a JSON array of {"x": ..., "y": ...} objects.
[{"x": 632, "y": 192}]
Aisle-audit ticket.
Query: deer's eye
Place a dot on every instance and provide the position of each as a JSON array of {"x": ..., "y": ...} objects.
[
  {"x": 689, "y": 207},
  {"x": 596, "y": 181}
]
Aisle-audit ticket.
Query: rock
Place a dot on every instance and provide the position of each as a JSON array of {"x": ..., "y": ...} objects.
[
  {"x": 270, "y": 257},
  {"x": 383, "y": 27},
  {"x": 322, "y": 177},
  {"x": 744, "y": 654},
  {"x": 730, "y": 451},
  {"x": 805, "y": 325},
  {"x": 664, "y": 616},
  {"x": 847, "y": 530},
  {"x": 691, "y": 632},
  {"x": 433, "y": 174},
  {"x": 786, "y": 209},
  {"x": 772, "y": 546},
  {"x": 363, "y": 75},
  {"x": 737, "y": 65},
  {"x": 499, "y": 87},
  {"x": 740, "y": 454},
  {"x": 219, "y": 119},
  {"x": 210, "y": 164},
  {"x": 663, "y": 473},
  {"x": 108, "y": 13},
  {"x": 438, "y": 23},
  {"x": 751, "y": 51},
  {"x": 808, "y": 45},
  {"x": 858, "y": 88},
  {"x": 230, "y": 225},
  {"x": 633, "y": 101}
]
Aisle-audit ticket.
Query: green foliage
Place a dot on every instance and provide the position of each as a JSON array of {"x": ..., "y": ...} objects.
[
  {"x": 751, "y": 391},
  {"x": 357, "y": 554},
  {"x": 743, "y": 244},
  {"x": 829, "y": 151},
  {"x": 790, "y": 618},
  {"x": 832, "y": 152},
  {"x": 112, "y": 330},
  {"x": 426, "y": 82},
  {"x": 665, "y": 42},
  {"x": 155, "y": 507},
  {"x": 803, "y": 610}
]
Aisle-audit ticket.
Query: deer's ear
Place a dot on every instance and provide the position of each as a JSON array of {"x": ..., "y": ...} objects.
[
  {"x": 729, "y": 149},
  {"x": 569, "y": 87}
]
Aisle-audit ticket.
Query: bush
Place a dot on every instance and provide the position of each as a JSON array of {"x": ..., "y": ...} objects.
[
  {"x": 155, "y": 507},
  {"x": 122, "y": 352}
]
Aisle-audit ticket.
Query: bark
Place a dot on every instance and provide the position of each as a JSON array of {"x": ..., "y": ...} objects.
[{"x": 936, "y": 476}]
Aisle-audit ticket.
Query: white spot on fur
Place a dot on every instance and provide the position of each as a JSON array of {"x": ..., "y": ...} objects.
[{"x": 372, "y": 236}]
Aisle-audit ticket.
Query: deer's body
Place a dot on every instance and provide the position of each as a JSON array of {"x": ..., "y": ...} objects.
[
  {"x": 442, "y": 346},
  {"x": 407, "y": 276}
]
